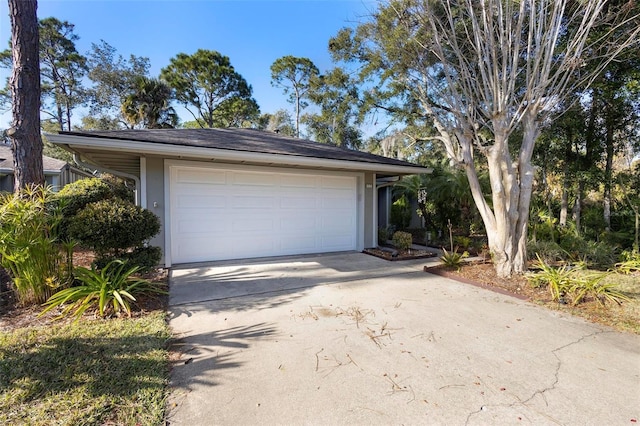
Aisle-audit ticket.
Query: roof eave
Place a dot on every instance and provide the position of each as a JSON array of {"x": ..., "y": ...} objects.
[{"x": 150, "y": 148}]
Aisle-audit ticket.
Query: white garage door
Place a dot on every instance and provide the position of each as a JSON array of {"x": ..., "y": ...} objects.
[{"x": 229, "y": 213}]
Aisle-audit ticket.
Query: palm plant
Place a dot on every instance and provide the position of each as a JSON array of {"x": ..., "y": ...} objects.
[
  {"x": 29, "y": 247},
  {"x": 148, "y": 105}
]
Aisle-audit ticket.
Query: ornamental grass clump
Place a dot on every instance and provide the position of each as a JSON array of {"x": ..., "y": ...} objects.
[
  {"x": 571, "y": 283},
  {"x": 30, "y": 250}
]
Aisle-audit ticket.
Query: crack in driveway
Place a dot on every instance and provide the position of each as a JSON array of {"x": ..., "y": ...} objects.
[{"x": 541, "y": 392}]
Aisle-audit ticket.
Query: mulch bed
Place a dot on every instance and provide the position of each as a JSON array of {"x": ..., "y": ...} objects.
[{"x": 402, "y": 254}]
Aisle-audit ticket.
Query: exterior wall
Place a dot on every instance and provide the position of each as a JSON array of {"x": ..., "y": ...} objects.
[
  {"x": 370, "y": 226},
  {"x": 155, "y": 198},
  {"x": 156, "y": 192}
]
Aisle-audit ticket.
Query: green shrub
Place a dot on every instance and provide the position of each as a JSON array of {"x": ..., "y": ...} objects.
[
  {"x": 113, "y": 226},
  {"x": 462, "y": 241},
  {"x": 29, "y": 247},
  {"x": 402, "y": 240},
  {"x": 400, "y": 216},
  {"x": 119, "y": 188},
  {"x": 547, "y": 251},
  {"x": 78, "y": 194},
  {"x": 108, "y": 291},
  {"x": 146, "y": 258}
]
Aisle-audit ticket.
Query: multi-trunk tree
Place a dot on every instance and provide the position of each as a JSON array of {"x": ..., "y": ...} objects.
[{"x": 483, "y": 72}]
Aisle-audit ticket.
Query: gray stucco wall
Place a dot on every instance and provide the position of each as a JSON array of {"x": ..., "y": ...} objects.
[
  {"x": 155, "y": 197},
  {"x": 369, "y": 210}
]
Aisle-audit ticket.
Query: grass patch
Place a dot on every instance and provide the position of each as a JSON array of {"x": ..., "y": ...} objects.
[{"x": 85, "y": 373}]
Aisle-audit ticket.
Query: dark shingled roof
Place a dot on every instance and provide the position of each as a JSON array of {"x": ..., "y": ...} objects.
[
  {"x": 247, "y": 140},
  {"x": 48, "y": 163}
]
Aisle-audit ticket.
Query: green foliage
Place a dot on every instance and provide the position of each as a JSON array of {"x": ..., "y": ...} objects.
[
  {"x": 294, "y": 76},
  {"x": 453, "y": 259},
  {"x": 29, "y": 245},
  {"x": 78, "y": 194},
  {"x": 146, "y": 258},
  {"x": 337, "y": 97},
  {"x": 571, "y": 282},
  {"x": 383, "y": 234},
  {"x": 108, "y": 291},
  {"x": 462, "y": 241},
  {"x": 119, "y": 188},
  {"x": 148, "y": 106},
  {"x": 547, "y": 251},
  {"x": 402, "y": 240},
  {"x": 400, "y": 216},
  {"x": 207, "y": 82},
  {"x": 112, "y": 77},
  {"x": 557, "y": 280},
  {"x": 629, "y": 262},
  {"x": 113, "y": 226}
]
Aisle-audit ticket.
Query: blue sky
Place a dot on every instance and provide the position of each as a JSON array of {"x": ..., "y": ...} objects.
[{"x": 252, "y": 33}]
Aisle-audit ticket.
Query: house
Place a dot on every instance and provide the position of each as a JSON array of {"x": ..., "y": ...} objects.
[
  {"x": 57, "y": 173},
  {"x": 243, "y": 193}
]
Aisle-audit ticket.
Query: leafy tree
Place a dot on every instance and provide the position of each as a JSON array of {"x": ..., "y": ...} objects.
[
  {"x": 62, "y": 69},
  {"x": 208, "y": 87},
  {"x": 147, "y": 105},
  {"x": 236, "y": 112},
  {"x": 113, "y": 77},
  {"x": 278, "y": 122},
  {"x": 24, "y": 133},
  {"x": 294, "y": 75},
  {"x": 336, "y": 94},
  {"x": 480, "y": 71}
]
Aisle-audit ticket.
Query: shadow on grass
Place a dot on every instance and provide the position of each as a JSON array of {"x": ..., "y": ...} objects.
[{"x": 39, "y": 363}]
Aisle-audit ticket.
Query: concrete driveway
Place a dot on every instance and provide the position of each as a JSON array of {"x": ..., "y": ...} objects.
[{"x": 352, "y": 339}]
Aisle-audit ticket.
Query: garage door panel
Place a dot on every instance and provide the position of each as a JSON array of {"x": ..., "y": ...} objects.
[
  {"x": 243, "y": 224},
  {"x": 198, "y": 202},
  {"x": 253, "y": 179},
  {"x": 253, "y": 202},
  {"x": 201, "y": 176},
  {"x": 230, "y": 213},
  {"x": 194, "y": 224}
]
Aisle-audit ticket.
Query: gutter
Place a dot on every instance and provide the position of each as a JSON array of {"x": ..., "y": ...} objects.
[{"x": 136, "y": 179}]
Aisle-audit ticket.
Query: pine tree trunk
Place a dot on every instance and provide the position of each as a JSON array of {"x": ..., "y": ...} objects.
[{"x": 24, "y": 133}]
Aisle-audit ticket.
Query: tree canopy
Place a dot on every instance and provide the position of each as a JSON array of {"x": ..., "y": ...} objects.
[
  {"x": 207, "y": 85},
  {"x": 294, "y": 75}
]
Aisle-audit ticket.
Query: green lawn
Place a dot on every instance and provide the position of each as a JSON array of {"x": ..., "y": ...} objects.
[{"x": 90, "y": 372}]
